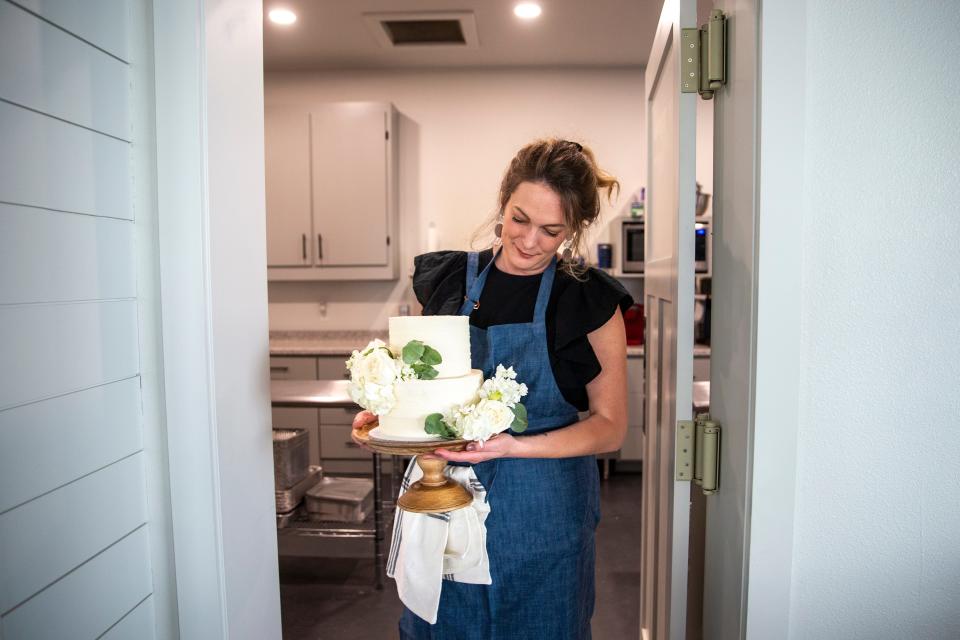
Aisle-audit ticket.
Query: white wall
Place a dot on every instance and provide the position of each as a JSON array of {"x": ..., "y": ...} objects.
[
  {"x": 867, "y": 371},
  {"x": 458, "y": 131},
  {"x": 84, "y": 514}
]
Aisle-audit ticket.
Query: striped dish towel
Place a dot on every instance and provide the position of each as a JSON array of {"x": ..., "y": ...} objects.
[{"x": 428, "y": 548}]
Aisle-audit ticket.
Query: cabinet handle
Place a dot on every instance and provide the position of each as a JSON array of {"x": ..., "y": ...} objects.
[
  {"x": 320, "y": 246},
  {"x": 278, "y": 369},
  {"x": 304, "y": 243},
  {"x": 352, "y": 444}
]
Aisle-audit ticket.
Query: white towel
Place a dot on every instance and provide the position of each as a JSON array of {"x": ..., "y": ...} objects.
[{"x": 428, "y": 548}]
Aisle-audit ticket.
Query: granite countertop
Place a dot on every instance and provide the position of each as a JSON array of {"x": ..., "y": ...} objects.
[
  {"x": 342, "y": 343},
  {"x": 320, "y": 343}
]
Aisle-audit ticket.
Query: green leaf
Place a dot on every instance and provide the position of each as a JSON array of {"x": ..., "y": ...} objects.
[
  {"x": 412, "y": 352},
  {"x": 434, "y": 424},
  {"x": 428, "y": 373},
  {"x": 519, "y": 418},
  {"x": 430, "y": 355}
]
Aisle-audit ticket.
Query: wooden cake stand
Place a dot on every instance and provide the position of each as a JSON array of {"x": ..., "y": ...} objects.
[{"x": 434, "y": 492}]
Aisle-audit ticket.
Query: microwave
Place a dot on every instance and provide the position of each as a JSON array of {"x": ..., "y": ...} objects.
[{"x": 632, "y": 243}]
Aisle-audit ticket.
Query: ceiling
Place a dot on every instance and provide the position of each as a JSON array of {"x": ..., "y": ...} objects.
[{"x": 332, "y": 34}]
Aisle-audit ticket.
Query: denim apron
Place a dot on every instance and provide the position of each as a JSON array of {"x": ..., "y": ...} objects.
[{"x": 544, "y": 511}]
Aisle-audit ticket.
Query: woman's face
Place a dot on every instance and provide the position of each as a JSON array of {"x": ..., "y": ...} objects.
[{"x": 533, "y": 229}]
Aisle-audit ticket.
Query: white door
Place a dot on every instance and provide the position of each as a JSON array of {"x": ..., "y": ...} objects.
[
  {"x": 287, "y": 167},
  {"x": 669, "y": 271},
  {"x": 350, "y": 183}
]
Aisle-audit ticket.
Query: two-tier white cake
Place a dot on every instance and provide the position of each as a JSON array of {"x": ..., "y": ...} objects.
[{"x": 456, "y": 383}]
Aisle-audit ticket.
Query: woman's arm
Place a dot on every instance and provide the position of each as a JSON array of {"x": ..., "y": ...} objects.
[{"x": 602, "y": 431}]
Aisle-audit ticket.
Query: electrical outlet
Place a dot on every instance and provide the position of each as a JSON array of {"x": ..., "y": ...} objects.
[{"x": 322, "y": 309}]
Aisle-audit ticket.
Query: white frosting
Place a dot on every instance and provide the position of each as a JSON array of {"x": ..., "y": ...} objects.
[
  {"x": 456, "y": 383},
  {"x": 416, "y": 399},
  {"x": 449, "y": 335}
]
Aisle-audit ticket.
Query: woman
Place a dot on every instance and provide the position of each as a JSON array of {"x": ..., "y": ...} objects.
[{"x": 561, "y": 328}]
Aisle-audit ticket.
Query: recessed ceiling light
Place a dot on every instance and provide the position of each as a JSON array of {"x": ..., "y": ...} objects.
[
  {"x": 527, "y": 10},
  {"x": 282, "y": 16}
]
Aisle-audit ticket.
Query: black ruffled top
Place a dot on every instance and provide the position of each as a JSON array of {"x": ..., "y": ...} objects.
[{"x": 575, "y": 309}]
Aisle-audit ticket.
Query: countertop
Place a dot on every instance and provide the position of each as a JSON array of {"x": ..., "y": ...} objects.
[
  {"x": 310, "y": 393},
  {"x": 342, "y": 343},
  {"x": 320, "y": 343}
]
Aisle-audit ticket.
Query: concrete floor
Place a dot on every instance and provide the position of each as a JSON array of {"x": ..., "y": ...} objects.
[{"x": 334, "y": 598}]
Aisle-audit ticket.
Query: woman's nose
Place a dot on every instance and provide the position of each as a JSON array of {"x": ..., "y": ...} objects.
[{"x": 530, "y": 238}]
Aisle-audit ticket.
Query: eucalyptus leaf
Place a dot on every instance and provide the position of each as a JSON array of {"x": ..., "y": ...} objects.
[
  {"x": 412, "y": 351},
  {"x": 428, "y": 373},
  {"x": 435, "y": 425},
  {"x": 519, "y": 418},
  {"x": 430, "y": 356}
]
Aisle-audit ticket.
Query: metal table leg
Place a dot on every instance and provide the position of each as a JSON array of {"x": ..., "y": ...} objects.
[{"x": 378, "y": 559}]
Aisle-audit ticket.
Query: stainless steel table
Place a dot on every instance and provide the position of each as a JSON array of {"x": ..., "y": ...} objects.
[{"x": 326, "y": 394}]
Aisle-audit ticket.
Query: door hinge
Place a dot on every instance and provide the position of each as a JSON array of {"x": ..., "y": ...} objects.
[
  {"x": 388, "y": 241},
  {"x": 386, "y": 135},
  {"x": 703, "y": 62},
  {"x": 698, "y": 453}
]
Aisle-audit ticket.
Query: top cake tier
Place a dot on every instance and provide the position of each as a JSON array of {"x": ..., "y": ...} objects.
[{"x": 449, "y": 335}]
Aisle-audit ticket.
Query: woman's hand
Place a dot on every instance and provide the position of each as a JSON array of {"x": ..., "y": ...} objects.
[
  {"x": 500, "y": 446},
  {"x": 360, "y": 422}
]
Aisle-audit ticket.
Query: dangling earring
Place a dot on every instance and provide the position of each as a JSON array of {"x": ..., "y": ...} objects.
[
  {"x": 567, "y": 254},
  {"x": 498, "y": 230}
]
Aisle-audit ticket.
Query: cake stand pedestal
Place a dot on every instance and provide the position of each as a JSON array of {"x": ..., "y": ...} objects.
[{"x": 434, "y": 492}]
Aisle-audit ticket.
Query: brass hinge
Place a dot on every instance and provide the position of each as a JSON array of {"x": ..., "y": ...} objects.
[
  {"x": 698, "y": 453},
  {"x": 703, "y": 60}
]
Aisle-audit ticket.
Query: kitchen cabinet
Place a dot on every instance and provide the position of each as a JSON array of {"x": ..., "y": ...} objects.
[
  {"x": 331, "y": 192},
  {"x": 297, "y": 418},
  {"x": 287, "y": 166},
  {"x": 329, "y": 428}
]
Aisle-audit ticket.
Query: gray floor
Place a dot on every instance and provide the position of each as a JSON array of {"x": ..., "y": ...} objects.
[{"x": 333, "y": 598}]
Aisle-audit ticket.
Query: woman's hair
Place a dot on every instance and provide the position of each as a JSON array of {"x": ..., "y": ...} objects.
[{"x": 571, "y": 171}]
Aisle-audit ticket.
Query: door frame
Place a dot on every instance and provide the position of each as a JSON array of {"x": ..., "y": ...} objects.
[{"x": 208, "y": 58}]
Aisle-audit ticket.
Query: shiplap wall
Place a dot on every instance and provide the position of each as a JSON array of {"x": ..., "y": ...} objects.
[{"x": 74, "y": 544}]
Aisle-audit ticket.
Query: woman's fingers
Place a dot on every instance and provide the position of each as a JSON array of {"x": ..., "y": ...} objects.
[
  {"x": 466, "y": 456},
  {"x": 363, "y": 418}
]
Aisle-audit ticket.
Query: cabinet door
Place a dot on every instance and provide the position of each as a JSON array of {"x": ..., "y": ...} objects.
[
  {"x": 287, "y": 158},
  {"x": 350, "y": 183}
]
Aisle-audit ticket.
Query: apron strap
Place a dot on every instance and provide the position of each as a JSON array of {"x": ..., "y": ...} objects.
[
  {"x": 543, "y": 295},
  {"x": 475, "y": 282}
]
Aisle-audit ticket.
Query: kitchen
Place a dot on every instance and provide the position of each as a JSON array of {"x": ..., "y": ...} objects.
[{"x": 433, "y": 179}]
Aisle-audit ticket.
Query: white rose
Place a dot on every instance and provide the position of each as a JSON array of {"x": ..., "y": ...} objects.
[
  {"x": 499, "y": 415},
  {"x": 379, "y": 367}
]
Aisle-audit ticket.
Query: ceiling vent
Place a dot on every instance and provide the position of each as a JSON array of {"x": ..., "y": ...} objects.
[{"x": 424, "y": 29}]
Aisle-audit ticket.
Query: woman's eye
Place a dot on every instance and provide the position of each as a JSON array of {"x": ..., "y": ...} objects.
[
  {"x": 551, "y": 233},
  {"x": 518, "y": 220}
]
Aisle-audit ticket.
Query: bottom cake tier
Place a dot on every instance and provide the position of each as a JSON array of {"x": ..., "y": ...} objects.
[{"x": 416, "y": 399}]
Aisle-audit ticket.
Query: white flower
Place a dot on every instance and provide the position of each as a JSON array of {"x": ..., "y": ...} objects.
[
  {"x": 374, "y": 373},
  {"x": 479, "y": 421},
  {"x": 379, "y": 367},
  {"x": 503, "y": 387}
]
